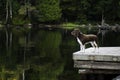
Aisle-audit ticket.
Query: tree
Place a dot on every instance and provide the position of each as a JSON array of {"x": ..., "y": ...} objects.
[
  {"x": 90, "y": 10},
  {"x": 54, "y": 10},
  {"x": 75, "y": 10},
  {"x": 49, "y": 10},
  {"x": 9, "y": 12},
  {"x": 2, "y": 10}
]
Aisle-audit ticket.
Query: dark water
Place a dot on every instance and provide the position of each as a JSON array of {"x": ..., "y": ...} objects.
[{"x": 44, "y": 54}]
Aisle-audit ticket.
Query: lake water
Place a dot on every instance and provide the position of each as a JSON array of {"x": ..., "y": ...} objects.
[{"x": 44, "y": 54}]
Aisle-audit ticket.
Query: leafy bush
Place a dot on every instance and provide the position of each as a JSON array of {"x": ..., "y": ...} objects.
[{"x": 49, "y": 10}]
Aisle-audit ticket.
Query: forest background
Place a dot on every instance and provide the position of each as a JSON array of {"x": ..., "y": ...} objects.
[{"x": 19, "y": 12}]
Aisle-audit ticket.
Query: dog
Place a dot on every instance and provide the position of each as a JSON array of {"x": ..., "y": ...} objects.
[{"x": 84, "y": 39}]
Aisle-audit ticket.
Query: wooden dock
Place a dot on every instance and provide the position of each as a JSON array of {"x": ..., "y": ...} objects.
[{"x": 107, "y": 60}]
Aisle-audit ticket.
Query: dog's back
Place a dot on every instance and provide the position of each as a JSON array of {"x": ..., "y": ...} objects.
[{"x": 88, "y": 38}]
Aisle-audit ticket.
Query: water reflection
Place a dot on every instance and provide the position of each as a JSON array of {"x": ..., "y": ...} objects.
[
  {"x": 33, "y": 55},
  {"x": 41, "y": 54}
]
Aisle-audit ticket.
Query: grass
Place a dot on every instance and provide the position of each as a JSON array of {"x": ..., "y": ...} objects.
[{"x": 69, "y": 25}]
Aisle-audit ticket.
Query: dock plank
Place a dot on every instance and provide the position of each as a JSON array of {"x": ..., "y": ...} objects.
[
  {"x": 97, "y": 65},
  {"x": 106, "y": 61},
  {"x": 104, "y": 54}
]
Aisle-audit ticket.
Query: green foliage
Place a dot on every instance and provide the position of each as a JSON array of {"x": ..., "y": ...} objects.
[
  {"x": 90, "y": 10},
  {"x": 19, "y": 20},
  {"x": 49, "y": 10},
  {"x": 22, "y": 10},
  {"x": 2, "y": 10},
  {"x": 16, "y": 5},
  {"x": 69, "y": 24}
]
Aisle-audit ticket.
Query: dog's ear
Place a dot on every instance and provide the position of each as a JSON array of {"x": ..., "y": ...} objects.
[
  {"x": 80, "y": 32},
  {"x": 77, "y": 32}
]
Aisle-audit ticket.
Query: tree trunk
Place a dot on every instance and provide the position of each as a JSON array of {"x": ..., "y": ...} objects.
[
  {"x": 8, "y": 12},
  {"x": 8, "y": 23},
  {"x": 23, "y": 74},
  {"x": 103, "y": 21}
]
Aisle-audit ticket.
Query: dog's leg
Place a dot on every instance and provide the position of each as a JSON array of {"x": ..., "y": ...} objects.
[
  {"x": 84, "y": 48},
  {"x": 96, "y": 46},
  {"x": 81, "y": 45},
  {"x": 92, "y": 43}
]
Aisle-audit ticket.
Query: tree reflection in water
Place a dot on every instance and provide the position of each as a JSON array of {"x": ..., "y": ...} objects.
[{"x": 41, "y": 54}]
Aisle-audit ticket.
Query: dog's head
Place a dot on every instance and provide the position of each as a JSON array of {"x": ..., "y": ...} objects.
[{"x": 76, "y": 32}]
